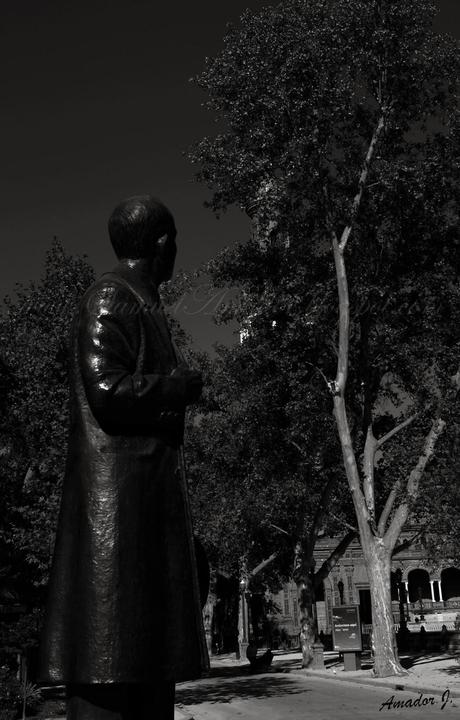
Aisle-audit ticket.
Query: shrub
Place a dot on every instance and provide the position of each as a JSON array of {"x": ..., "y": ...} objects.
[{"x": 12, "y": 693}]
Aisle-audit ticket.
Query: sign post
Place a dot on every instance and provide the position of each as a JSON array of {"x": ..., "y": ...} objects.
[{"x": 346, "y": 635}]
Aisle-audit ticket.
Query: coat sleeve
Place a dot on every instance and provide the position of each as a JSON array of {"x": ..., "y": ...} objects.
[{"x": 109, "y": 342}]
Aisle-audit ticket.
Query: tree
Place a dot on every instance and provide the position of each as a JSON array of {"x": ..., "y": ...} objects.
[
  {"x": 34, "y": 330},
  {"x": 341, "y": 127},
  {"x": 437, "y": 509},
  {"x": 237, "y": 496},
  {"x": 259, "y": 501}
]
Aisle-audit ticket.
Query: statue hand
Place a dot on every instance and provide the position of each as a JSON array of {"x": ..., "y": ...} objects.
[{"x": 193, "y": 382}]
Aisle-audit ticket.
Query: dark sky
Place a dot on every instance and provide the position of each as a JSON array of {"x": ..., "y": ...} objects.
[{"x": 97, "y": 105}]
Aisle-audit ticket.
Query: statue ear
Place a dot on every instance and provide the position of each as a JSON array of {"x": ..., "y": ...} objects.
[{"x": 161, "y": 242}]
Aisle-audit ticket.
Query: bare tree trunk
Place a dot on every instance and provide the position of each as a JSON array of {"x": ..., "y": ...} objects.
[
  {"x": 378, "y": 538},
  {"x": 377, "y": 553},
  {"x": 243, "y": 624},
  {"x": 208, "y": 618},
  {"x": 243, "y": 604},
  {"x": 378, "y": 564},
  {"x": 308, "y": 617},
  {"x": 307, "y": 582}
]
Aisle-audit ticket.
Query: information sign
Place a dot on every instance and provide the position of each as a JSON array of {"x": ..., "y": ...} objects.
[{"x": 346, "y": 628}]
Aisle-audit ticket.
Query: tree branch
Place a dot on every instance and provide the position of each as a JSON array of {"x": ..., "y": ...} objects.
[
  {"x": 28, "y": 475},
  {"x": 285, "y": 532},
  {"x": 385, "y": 514},
  {"x": 395, "y": 430},
  {"x": 262, "y": 565},
  {"x": 344, "y": 523},
  {"x": 299, "y": 448},
  {"x": 413, "y": 482},
  {"x": 334, "y": 557},
  {"x": 344, "y": 317},
  {"x": 368, "y": 481},
  {"x": 362, "y": 182},
  {"x": 455, "y": 381},
  {"x": 319, "y": 514},
  {"x": 406, "y": 543},
  {"x": 363, "y": 313},
  {"x": 428, "y": 451},
  {"x": 340, "y": 382},
  {"x": 320, "y": 372}
]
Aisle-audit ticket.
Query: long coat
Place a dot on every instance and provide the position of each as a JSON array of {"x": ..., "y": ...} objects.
[{"x": 123, "y": 596}]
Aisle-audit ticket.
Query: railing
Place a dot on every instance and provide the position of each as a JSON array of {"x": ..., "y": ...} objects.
[
  {"x": 432, "y": 626},
  {"x": 429, "y": 625},
  {"x": 434, "y": 605}
]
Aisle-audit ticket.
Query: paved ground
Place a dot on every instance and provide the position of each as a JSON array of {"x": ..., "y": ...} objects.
[
  {"x": 434, "y": 670},
  {"x": 289, "y": 696},
  {"x": 430, "y": 689}
]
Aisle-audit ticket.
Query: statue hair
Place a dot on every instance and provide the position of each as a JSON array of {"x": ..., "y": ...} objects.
[{"x": 136, "y": 223}]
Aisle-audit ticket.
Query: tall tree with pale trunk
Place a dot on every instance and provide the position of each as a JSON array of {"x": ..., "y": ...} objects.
[{"x": 340, "y": 124}]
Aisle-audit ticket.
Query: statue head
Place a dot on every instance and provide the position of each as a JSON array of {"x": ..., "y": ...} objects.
[{"x": 142, "y": 228}]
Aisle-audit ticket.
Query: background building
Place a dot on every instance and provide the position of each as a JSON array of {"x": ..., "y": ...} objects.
[{"x": 423, "y": 591}]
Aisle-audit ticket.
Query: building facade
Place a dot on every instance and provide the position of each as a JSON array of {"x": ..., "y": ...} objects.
[{"x": 422, "y": 590}]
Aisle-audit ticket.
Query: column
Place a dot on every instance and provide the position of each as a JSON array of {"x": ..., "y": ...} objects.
[
  {"x": 328, "y": 605},
  {"x": 432, "y": 590},
  {"x": 350, "y": 588},
  {"x": 335, "y": 582},
  {"x": 440, "y": 591},
  {"x": 244, "y": 611},
  {"x": 406, "y": 593}
]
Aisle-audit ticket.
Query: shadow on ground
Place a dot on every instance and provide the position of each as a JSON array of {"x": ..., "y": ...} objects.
[
  {"x": 259, "y": 686},
  {"x": 453, "y": 670},
  {"x": 285, "y": 666},
  {"x": 421, "y": 659}
]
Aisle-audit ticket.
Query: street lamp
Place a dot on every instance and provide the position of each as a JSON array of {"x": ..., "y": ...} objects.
[
  {"x": 244, "y": 637},
  {"x": 402, "y": 600},
  {"x": 244, "y": 609}
]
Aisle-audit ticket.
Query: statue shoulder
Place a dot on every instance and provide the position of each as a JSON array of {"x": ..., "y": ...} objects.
[{"x": 106, "y": 295}]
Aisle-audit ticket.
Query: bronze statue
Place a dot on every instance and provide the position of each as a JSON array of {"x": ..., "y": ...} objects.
[{"x": 123, "y": 622}]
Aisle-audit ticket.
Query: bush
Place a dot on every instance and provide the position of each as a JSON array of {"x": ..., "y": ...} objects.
[
  {"x": 6, "y": 714},
  {"x": 34, "y": 698},
  {"x": 12, "y": 695}
]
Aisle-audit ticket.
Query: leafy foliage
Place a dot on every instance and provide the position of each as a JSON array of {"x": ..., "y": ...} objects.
[
  {"x": 438, "y": 507},
  {"x": 300, "y": 89},
  {"x": 341, "y": 132},
  {"x": 34, "y": 330},
  {"x": 254, "y": 489}
]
